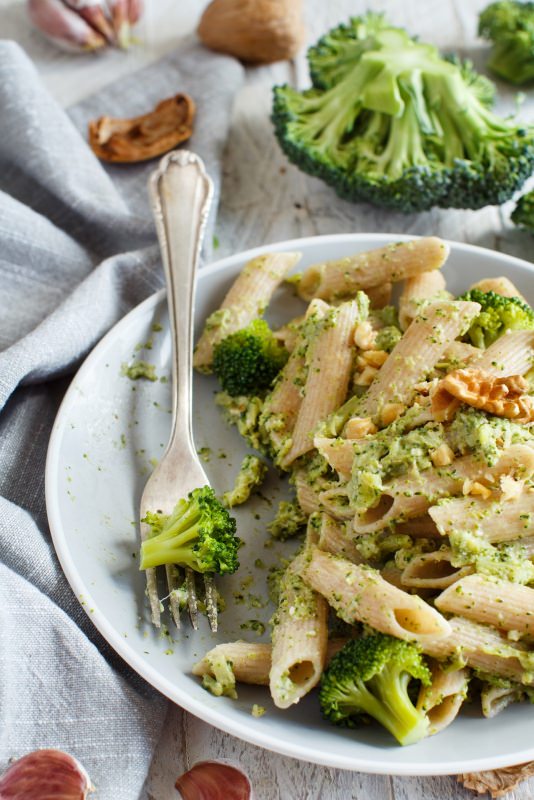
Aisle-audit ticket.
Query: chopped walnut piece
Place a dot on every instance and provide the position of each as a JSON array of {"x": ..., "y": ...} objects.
[
  {"x": 497, "y": 782},
  {"x": 442, "y": 456},
  {"x": 144, "y": 137},
  {"x": 391, "y": 412},
  {"x": 475, "y": 488},
  {"x": 358, "y": 427},
  {"x": 375, "y": 357},
  {"x": 504, "y": 397},
  {"x": 364, "y": 336},
  {"x": 366, "y": 377},
  {"x": 511, "y": 488}
]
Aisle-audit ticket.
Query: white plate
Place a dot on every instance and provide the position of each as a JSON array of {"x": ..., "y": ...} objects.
[{"x": 106, "y": 433}]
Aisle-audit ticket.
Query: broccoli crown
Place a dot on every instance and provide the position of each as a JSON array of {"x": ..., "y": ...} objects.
[
  {"x": 523, "y": 213},
  {"x": 498, "y": 314},
  {"x": 509, "y": 25},
  {"x": 371, "y": 675},
  {"x": 389, "y": 121},
  {"x": 247, "y": 361},
  {"x": 200, "y": 533}
]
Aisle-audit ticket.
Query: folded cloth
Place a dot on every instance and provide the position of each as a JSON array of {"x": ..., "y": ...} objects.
[{"x": 77, "y": 250}]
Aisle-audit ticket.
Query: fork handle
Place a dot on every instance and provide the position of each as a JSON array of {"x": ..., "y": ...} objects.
[{"x": 181, "y": 194}]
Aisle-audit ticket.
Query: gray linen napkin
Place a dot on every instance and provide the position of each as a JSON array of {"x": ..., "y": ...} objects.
[{"x": 77, "y": 250}]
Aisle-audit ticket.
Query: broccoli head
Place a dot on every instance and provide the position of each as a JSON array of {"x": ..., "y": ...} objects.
[
  {"x": 247, "y": 361},
  {"x": 523, "y": 213},
  {"x": 371, "y": 676},
  {"x": 389, "y": 121},
  {"x": 498, "y": 315},
  {"x": 200, "y": 533},
  {"x": 509, "y": 25}
]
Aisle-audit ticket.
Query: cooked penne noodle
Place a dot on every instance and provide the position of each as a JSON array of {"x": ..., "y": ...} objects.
[
  {"x": 246, "y": 300},
  {"x": 442, "y": 700},
  {"x": 416, "y": 291},
  {"x": 483, "y": 598},
  {"x": 461, "y": 353},
  {"x": 432, "y": 571},
  {"x": 418, "y": 527},
  {"x": 379, "y": 296},
  {"x": 394, "y": 262},
  {"x": 360, "y": 594},
  {"x": 299, "y": 632},
  {"x": 419, "y": 350},
  {"x": 511, "y": 354},
  {"x": 500, "y": 285},
  {"x": 329, "y": 359},
  {"x": 495, "y": 520},
  {"x": 495, "y": 699},
  {"x": 484, "y": 648},
  {"x": 334, "y": 538}
]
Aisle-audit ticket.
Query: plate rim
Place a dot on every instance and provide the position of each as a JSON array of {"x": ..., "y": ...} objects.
[{"x": 207, "y": 713}]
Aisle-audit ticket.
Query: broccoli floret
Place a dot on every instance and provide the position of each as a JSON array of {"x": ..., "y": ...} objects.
[
  {"x": 251, "y": 474},
  {"x": 290, "y": 520},
  {"x": 389, "y": 121},
  {"x": 387, "y": 338},
  {"x": 371, "y": 676},
  {"x": 523, "y": 213},
  {"x": 498, "y": 314},
  {"x": 473, "y": 431},
  {"x": 200, "y": 533},
  {"x": 507, "y": 561},
  {"x": 247, "y": 361},
  {"x": 509, "y": 26}
]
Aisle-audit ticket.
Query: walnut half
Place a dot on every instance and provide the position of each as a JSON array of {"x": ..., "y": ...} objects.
[
  {"x": 504, "y": 397},
  {"x": 144, "y": 137}
]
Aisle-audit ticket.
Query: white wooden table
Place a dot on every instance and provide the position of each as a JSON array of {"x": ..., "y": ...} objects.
[{"x": 265, "y": 200}]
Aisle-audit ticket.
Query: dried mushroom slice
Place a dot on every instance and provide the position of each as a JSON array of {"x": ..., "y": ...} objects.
[{"x": 144, "y": 137}]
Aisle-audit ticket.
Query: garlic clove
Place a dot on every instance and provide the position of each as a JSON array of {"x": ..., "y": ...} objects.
[
  {"x": 121, "y": 22},
  {"x": 44, "y": 774},
  {"x": 144, "y": 137},
  {"x": 94, "y": 12},
  {"x": 63, "y": 26},
  {"x": 135, "y": 9},
  {"x": 214, "y": 780}
]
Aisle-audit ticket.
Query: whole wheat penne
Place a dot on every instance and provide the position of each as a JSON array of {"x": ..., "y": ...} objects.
[
  {"x": 442, "y": 700},
  {"x": 329, "y": 360},
  {"x": 461, "y": 353},
  {"x": 246, "y": 300},
  {"x": 423, "y": 526},
  {"x": 299, "y": 633},
  {"x": 360, "y": 593},
  {"x": 394, "y": 262},
  {"x": 334, "y": 537},
  {"x": 379, "y": 296},
  {"x": 500, "y": 285},
  {"x": 283, "y": 403},
  {"x": 417, "y": 290},
  {"x": 483, "y": 647},
  {"x": 495, "y": 699},
  {"x": 511, "y": 354},
  {"x": 486, "y": 599},
  {"x": 432, "y": 571},
  {"x": 251, "y": 661},
  {"x": 495, "y": 520},
  {"x": 419, "y": 350}
]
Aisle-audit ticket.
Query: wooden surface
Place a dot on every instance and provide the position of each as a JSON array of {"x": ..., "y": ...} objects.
[{"x": 266, "y": 200}]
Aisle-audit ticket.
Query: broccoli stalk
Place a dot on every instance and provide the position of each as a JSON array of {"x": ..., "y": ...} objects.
[
  {"x": 371, "y": 676},
  {"x": 200, "y": 533},
  {"x": 509, "y": 25},
  {"x": 395, "y": 124},
  {"x": 523, "y": 213},
  {"x": 247, "y": 361},
  {"x": 498, "y": 314}
]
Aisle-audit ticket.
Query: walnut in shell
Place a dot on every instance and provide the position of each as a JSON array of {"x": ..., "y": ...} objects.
[
  {"x": 144, "y": 137},
  {"x": 256, "y": 31}
]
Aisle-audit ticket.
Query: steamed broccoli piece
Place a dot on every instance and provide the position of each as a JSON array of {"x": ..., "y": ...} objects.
[
  {"x": 290, "y": 520},
  {"x": 371, "y": 676},
  {"x": 473, "y": 431},
  {"x": 523, "y": 213},
  {"x": 391, "y": 122},
  {"x": 200, "y": 533},
  {"x": 247, "y": 361},
  {"x": 220, "y": 679},
  {"x": 498, "y": 315},
  {"x": 251, "y": 474},
  {"x": 246, "y": 414},
  {"x": 509, "y": 25}
]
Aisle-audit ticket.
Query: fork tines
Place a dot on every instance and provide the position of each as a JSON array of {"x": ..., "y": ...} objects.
[{"x": 182, "y": 592}]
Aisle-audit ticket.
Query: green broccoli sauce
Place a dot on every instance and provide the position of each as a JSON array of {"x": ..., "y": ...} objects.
[{"x": 139, "y": 370}]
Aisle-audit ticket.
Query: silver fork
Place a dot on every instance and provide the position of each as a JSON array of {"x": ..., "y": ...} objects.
[{"x": 180, "y": 193}]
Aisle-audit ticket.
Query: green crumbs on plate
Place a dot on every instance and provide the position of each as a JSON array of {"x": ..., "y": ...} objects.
[{"x": 139, "y": 370}]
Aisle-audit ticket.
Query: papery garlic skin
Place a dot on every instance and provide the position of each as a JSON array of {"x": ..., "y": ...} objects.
[
  {"x": 214, "y": 780},
  {"x": 44, "y": 774},
  {"x": 95, "y": 13},
  {"x": 63, "y": 26},
  {"x": 121, "y": 22},
  {"x": 135, "y": 10}
]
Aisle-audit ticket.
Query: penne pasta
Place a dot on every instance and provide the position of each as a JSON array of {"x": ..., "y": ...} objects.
[
  {"x": 246, "y": 300},
  {"x": 394, "y": 262},
  {"x": 334, "y": 538},
  {"x": 505, "y": 605},
  {"x": 502, "y": 285},
  {"x": 511, "y": 354},
  {"x": 442, "y": 700},
  {"x": 360, "y": 594},
  {"x": 495, "y": 520},
  {"x": 432, "y": 571},
  {"x": 415, "y": 292}
]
